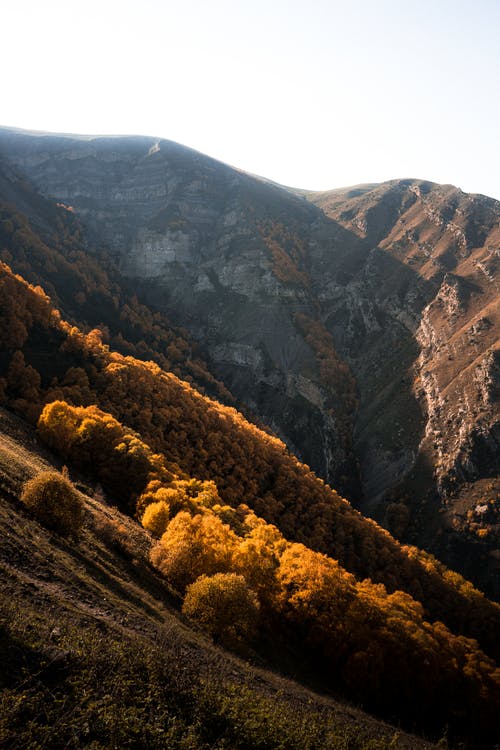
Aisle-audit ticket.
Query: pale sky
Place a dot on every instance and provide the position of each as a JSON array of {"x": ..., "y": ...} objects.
[{"x": 314, "y": 94}]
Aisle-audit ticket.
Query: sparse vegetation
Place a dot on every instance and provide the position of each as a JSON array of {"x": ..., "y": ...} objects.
[
  {"x": 115, "y": 536},
  {"x": 109, "y": 690}
]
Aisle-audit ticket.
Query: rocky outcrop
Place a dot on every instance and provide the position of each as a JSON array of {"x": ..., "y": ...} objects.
[{"x": 447, "y": 246}]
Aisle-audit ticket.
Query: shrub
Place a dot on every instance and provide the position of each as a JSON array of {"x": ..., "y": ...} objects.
[
  {"x": 224, "y": 605},
  {"x": 156, "y": 518},
  {"x": 54, "y": 501},
  {"x": 115, "y": 536}
]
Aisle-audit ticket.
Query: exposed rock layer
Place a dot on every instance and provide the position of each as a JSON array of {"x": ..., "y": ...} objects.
[{"x": 360, "y": 324}]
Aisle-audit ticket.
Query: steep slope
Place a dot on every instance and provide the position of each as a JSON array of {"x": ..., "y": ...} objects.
[
  {"x": 367, "y": 639},
  {"x": 45, "y": 242},
  {"x": 94, "y": 650},
  {"x": 226, "y": 255},
  {"x": 46, "y": 360},
  {"x": 362, "y": 329},
  {"x": 447, "y": 244}
]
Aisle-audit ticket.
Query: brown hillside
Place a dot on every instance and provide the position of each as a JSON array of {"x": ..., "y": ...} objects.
[{"x": 448, "y": 244}]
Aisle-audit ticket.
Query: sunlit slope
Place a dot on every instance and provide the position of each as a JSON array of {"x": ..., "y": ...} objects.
[
  {"x": 45, "y": 359},
  {"x": 90, "y": 639}
]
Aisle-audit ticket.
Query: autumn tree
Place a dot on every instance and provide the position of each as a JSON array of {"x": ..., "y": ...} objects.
[
  {"x": 193, "y": 546},
  {"x": 257, "y": 557},
  {"x": 315, "y": 596},
  {"x": 54, "y": 501},
  {"x": 224, "y": 605},
  {"x": 96, "y": 441},
  {"x": 156, "y": 518}
]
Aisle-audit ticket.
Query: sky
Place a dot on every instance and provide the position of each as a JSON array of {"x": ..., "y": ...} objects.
[{"x": 317, "y": 95}]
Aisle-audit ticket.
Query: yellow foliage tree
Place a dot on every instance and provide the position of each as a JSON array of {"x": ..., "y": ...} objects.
[
  {"x": 193, "y": 546},
  {"x": 315, "y": 595},
  {"x": 156, "y": 518},
  {"x": 54, "y": 501},
  {"x": 224, "y": 605},
  {"x": 257, "y": 557},
  {"x": 96, "y": 441}
]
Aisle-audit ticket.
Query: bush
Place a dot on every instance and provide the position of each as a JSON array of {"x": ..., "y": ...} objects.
[
  {"x": 115, "y": 536},
  {"x": 156, "y": 518},
  {"x": 224, "y": 605},
  {"x": 54, "y": 501}
]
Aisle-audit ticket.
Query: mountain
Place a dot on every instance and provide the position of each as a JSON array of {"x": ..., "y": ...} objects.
[
  {"x": 187, "y": 503},
  {"x": 204, "y": 242},
  {"x": 448, "y": 244},
  {"x": 360, "y": 325}
]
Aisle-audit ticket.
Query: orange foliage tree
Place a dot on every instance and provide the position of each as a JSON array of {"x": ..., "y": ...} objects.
[
  {"x": 192, "y": 546},
  {"x": 224, "y": 605}
]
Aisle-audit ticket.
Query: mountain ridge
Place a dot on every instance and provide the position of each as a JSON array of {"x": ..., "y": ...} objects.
[
  {"x": 320, "y": 324},
  {"x": 356, "y": 335},
  {"x": 363, "y": 186}
]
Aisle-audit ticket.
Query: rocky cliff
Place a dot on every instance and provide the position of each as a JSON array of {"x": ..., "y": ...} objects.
[
  {"x": 361, "y": 325},
  {"x": 447, "y": 246},
  {"x": 227, "y": 256}
]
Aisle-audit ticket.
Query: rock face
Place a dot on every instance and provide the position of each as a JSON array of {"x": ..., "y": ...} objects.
[
  {"x": 447, "y": 245},
  {"x": 361, "y": 325},
  {"x": 204, "y": 242}
]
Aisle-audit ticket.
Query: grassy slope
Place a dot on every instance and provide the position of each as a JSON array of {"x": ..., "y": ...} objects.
[{"x": 97, "y": 655}]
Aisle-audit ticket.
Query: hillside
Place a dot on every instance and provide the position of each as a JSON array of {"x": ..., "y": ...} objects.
[
  {"x": 360, "y": 326},
  {"x": 447, "y": 243},
  {"x": 45, "y": 242},
  {"x": 93, "y": 619},
  {"x": 145, "y": 292},
  {"x": 374, "y": 621},
  {"x": 224, "y": 255}
]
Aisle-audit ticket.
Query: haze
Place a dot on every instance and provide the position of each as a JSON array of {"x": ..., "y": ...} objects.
[{"x": 315, "y": 95}]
